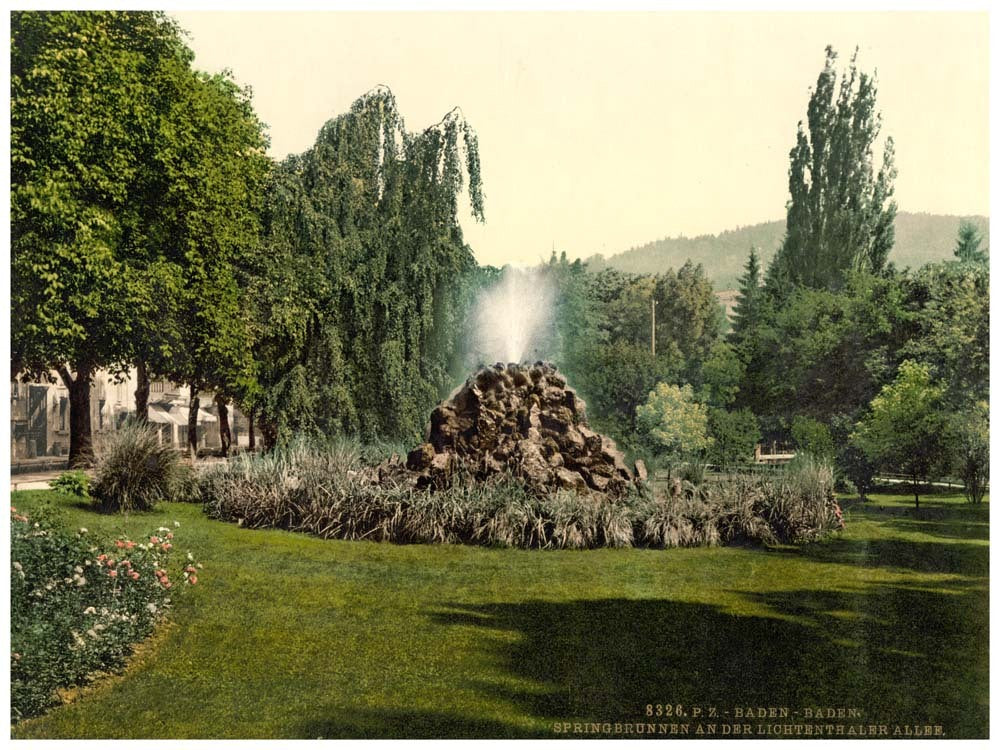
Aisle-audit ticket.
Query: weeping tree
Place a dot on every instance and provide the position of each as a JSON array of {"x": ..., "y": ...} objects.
[
  {"x": 840, "y": 212},
  {"x": 361, "y": 303}
]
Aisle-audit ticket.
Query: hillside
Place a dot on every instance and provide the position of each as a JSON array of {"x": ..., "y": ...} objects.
[{"x": 920, "y": 238}]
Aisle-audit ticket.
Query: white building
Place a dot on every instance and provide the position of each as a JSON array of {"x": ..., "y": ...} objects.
[{"x": 39, "y": 414}]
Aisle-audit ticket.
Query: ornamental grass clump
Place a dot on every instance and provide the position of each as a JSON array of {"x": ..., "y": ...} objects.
[
  {"x": 311, "y": 488},
  {"x": 79, "y": 604},
  {"x": 683, "y": 520},
  {"x": 134, "y": 471},
  {"x": 329, "y": 492},
  {"x": 795, "y": 505}
]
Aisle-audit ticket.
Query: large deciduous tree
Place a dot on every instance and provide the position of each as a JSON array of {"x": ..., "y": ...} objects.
[
  {"x": 211, "y": 158},
  {"x": 840, "y": 211},
  {"x": 906, "y": 428},
  {"x": 674, "y": 425},
  {"x": 86, "y": 96}
]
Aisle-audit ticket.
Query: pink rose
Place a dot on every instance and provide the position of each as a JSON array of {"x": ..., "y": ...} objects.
[{"x": 113, "y": 573}]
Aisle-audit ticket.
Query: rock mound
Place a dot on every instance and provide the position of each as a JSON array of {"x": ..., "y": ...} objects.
[{"x": 521, "y": 419}]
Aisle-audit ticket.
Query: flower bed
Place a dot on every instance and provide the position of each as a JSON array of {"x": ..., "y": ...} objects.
[{"x": 79, "y": 604}]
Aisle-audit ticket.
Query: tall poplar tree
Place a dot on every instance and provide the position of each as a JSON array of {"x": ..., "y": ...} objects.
[{"x": 840, "y": 212}]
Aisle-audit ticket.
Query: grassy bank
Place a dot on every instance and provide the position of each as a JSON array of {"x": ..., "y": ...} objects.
[{"x": 293, "y": 636}]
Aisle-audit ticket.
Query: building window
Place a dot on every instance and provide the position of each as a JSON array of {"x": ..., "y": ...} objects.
[
  {"x": 100, "y": 414},
  {"x": 15, "y": 391},
  {"x": 157, "y": 386},
  {"x": 63, "y": 403}
]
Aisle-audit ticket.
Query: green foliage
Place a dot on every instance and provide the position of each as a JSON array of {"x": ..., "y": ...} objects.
[
  {"x": 734, "y": 435},
  {"x": 312, "y": 487},
  {"x": 824, "y": 353},
  {"x": 205, "y": 238},
  {"x": 604, "y": 342},
  {"x": 135, "y": 187},
  {"x": 85, "y": 95},
  {"x": 951, "y": 328},
  {"x": 362, "y": 286},
  {"x": 721, "y": 374},
  {"x": 75, "y": 483},
  {"x": 813, "y": 437},
  {"x": 134, "y": 471},
  {"x": 905, "y": 429},
  {"x": 76, "y": 610},
  {"x": 617, "y": 380},
  {"x": 840, "y": 213},
  {"x": 970, "y": 434},
  {"x": 857, "y": 468},
  {"x": 968, "y": 248},
  {"x": 674, "y": 425},
  {"x": 749, "y": 315},
  {"x": 795, "y": 505}
]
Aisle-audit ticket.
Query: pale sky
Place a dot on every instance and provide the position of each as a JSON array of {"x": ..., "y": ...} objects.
[{"x": 599, "y": 131}]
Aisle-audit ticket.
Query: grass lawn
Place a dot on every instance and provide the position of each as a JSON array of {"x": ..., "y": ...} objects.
[{"x": 291, "y": 636}]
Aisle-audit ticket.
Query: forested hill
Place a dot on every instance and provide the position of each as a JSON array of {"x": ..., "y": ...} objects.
[{"x": 919, "y": 238}]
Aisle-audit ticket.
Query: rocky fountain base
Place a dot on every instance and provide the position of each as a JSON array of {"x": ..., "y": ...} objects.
[{"x": 519, "y": 419}]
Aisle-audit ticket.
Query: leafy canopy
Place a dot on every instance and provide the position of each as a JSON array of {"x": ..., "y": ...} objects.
[{"x": 673, "y": 422}]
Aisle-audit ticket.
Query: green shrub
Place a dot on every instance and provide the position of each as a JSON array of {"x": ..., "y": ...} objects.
[
  {"x": 76, "y": 483},
  {"x": 133, "y": 471},
  {"x": 78, "y": 604},
  {"x": 186, "y": 488},
  {"x": 794, "y": 505}
]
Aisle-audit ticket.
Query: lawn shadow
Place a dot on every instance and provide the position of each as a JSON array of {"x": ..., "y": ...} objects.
[
  {"x": 960, "y": 527},
  {"x": 953, "y": 558},
  {"x": 898, "y": 654}
]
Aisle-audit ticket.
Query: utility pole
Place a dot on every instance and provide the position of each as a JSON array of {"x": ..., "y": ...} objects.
[{"x": 652, "y": 337}]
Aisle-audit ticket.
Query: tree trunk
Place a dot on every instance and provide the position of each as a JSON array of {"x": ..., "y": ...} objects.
[
  {"x": 269, "y": 432},
  {"x": 81, "y": 448},
  {"x": 916, "y": 491},
  {"x": 193, "y": 423},
  {"x": 253, "y": 436},
  {"x": 225, "y": 436},
  {"x": 141, "y": 391}
]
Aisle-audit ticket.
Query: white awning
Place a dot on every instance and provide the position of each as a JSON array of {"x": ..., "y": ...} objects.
[
  {"x": 161, "y": 415},
  {"x": 177, "y": 415}
]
